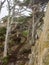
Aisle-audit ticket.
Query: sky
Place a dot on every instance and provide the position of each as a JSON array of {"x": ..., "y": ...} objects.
[{"x": 4, "y": 11}]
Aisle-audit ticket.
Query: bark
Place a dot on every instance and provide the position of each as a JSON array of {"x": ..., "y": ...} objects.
[{"x": 7, "y": 32}]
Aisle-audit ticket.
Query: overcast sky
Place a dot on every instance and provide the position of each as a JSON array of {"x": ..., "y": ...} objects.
[{"x": 4, "y": 11}]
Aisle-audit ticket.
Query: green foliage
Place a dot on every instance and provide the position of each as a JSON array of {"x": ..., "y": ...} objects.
[
  {"x": 19, "y": 19},
  {"x": 5, "y": 19},
  {"x": 5, "y": 60},
  {"x": 22, "y": 19},
  {"x": 26, "y": 2},
  {"x": 1, "y": 47},
  {"x": 21, "y": 64},
  {"x": 11, "y": 43},
  {"x": 2, "y": 38},
  {"x": 25, "y": 33},
  {"x": 2, "y": 33}
]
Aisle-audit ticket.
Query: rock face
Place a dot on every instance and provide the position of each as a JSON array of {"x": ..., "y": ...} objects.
[
  {"x": 42, "y": 45},
  {"x": 46, "y": 58}
]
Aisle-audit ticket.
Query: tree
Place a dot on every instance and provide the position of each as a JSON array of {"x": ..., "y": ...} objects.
[{"x": 1, "y": 4}]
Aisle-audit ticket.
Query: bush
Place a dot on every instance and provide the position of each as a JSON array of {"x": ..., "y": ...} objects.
[
  {"x": 25, "y": 33},
  {"x": 2, "y": 31},
  {"x": 5, "y": 60},
  {"x": 2, "y": 34}
]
